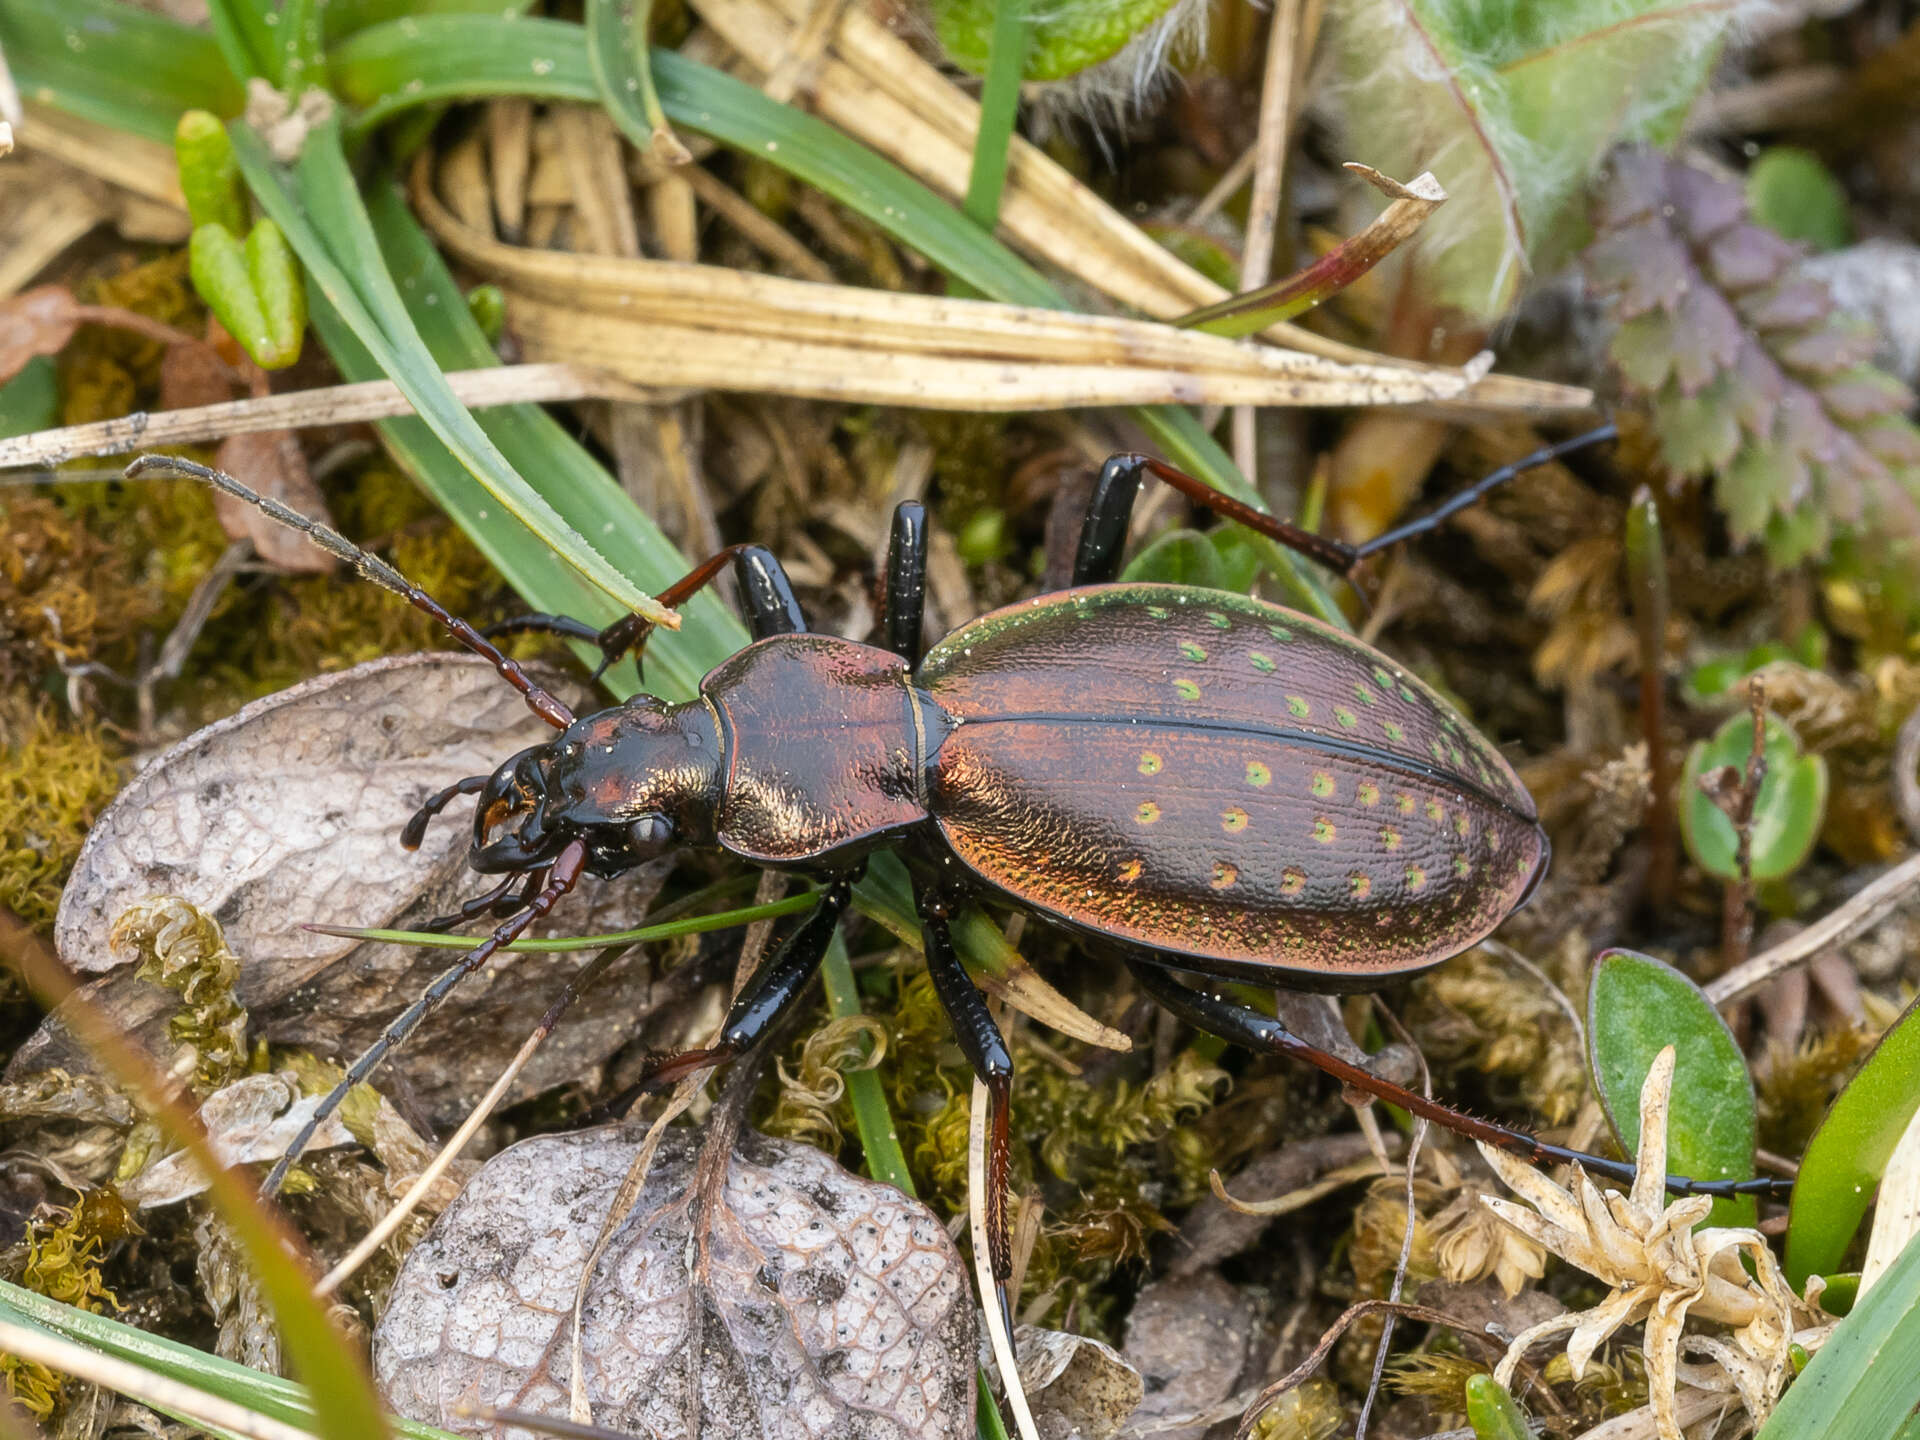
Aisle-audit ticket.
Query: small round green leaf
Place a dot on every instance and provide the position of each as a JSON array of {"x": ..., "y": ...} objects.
[
  {"x": 1179, "y": 557},
  {"x": 1793, "y": 194},
  {"x": 1636, "y": 1007},
  {"x": 1845, "y": 1159},
  {"x": 1786, "y": 814}
]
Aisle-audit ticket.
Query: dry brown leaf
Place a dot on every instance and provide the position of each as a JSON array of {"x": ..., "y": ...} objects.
[
  {"x": 272, "y": 462},
  {"x": 798, "y": 1302},
  {"x": 35, "y": 322},
  {"x": 1079, "y": 1388},
  {"x": 289, "y": 812}
]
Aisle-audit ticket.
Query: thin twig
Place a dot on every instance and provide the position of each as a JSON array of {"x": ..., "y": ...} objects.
[
  {"x": 1269, "y": 171},
  {"x": 1413, "y": 1219},
  {"x": 1906, "y": 773},
  {"x": 1861, "y": 913},
  {"x": 1225, "y": 188}
]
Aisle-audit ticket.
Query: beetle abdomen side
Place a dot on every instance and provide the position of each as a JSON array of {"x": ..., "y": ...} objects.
[
  {"x": 1213, "y": 776},
  {"x": 1241, "y": 845}
]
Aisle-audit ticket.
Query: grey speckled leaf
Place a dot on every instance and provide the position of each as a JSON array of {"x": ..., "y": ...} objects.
[
  {"x": 809, "y": 1305},
  {"x": 290, "y": 811}
]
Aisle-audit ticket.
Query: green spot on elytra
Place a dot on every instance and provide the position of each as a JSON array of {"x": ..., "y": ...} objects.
[
  {"x": 1363, "y": 692},
  {"x": 1233, "y": 820},
  {"x": 1258, "y": 774},
  {"x": 1390, "y": 838},
  {"x": 1323, "y": 830},
  {"x": 1403, "y": 802},
  {"x": 1186, "y": 689},
  {"x": 1297, "y": 707},
  {"x": 1525, "y": 866},
  {"x": 1159, "y": 612},
  {"x": 1264, "y": 664},
  {"x": 1321, "y": 784},
  {"x": 1416, "y": 879},
  {"x": 1438, "y": 750},
  {"x": 1346, "y": 717},
  {"x": 1394, "y": 732},
  {"x": 1218, "y": 621},
  {"x": 1361, "y": 884},
  {"x": 1224, "y": 874},
  {"x": 1150, "y": 763},
  {"x": 1147, "y": 813},
  {"x": 1453, "y": 754},
  {"x": 1368, "y": 793},
  {"x": 1193, "y": 652},
  {"x": 1280, "y": 632},
  {"x": 1292, "y": 880},
  {"x": 1406, "y": 694},
  {"x": 1436, "y": 812},
  {"x": 1383, "y": 677},
  {"x": 1461, "y": 867}
]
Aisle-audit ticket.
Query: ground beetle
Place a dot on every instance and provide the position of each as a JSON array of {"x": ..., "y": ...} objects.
[{"x": 1195, "y": 780}]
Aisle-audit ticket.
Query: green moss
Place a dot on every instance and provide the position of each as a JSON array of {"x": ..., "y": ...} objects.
[
  {"x": 53, "y": 782},
  {"x": 182, "y": 948},
  {"x": 60, "y": 1258}
]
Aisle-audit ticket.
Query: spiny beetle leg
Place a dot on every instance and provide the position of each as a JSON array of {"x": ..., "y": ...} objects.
[
  {"x": 775, "y": 986},
  {"x": 373, "y": 568},
  {"x": 986, "y": 1051},
  {"x": 1240, "y": 1025},
  {"x": 907, "y": 580},
  {"x": 1104, "y": 534},
  {"x": 565, "y": 873}
]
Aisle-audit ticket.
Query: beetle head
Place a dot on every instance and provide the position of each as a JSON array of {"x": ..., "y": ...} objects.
[{"x": 630, "y": 782}]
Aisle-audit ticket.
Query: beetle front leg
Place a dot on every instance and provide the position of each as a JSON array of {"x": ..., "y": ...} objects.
[
  {"x": 986, "y": 1051},
  {"x": 1239, "y": 1025}
]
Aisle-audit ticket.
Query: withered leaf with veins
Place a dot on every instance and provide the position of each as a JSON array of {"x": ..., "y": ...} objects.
[{"x": 782, "y": 1299}]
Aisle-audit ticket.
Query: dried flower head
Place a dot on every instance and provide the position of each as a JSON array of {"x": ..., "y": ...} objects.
[
  {"x": 1469, "y": 1243},
  {"x": 1660, "y": 1270}
]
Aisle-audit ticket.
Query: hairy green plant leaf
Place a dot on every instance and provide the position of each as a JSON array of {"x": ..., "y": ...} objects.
[
  {"x": 1065, "y": 38},
  {"x": 1850, "y": 1150},
  {"x": 1512, "y": 106},
  {"x": 1786, "y": 813},
  {"x": 1636, "y": 1007},
  {"x": 1179, "y": 557},
  {"x": 1861, "y": 1385}
]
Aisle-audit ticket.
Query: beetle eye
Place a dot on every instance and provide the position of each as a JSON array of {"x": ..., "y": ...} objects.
[{"x": 650, "y": 834}]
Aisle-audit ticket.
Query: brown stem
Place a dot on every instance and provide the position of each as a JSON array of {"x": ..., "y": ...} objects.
[
  {"x": 1736, "y": 915},
  {"x": 1647, "y": 578}
]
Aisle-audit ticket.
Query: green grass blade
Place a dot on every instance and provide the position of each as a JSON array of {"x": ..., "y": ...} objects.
[
  {"x": 999, "y": 110},
  {"x": 321, "y": 213},
  {"x": 115, "y": 65},
  {"x": 244, "y": 38},
  {"x": 617, "y": 54},
  {"x": 1865, "y": 1381},
  {"x": 269, "y": 1394},
  {"x": 1849, "y": 1152}
]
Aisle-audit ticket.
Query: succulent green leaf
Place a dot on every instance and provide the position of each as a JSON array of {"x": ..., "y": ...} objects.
[
  {"x": 1861, "y": 1386},
  {"x": 1786, "y": 813},
  {"x": 1636, "y": 1007},
  {"x": 1792, "y": 193},
  {"x": 1699, "y": 433},
  {"x": 30, "y": 401},
  {"x": 1850, "y": 1150},
  {"x": 281, "y": 291},
  {"x": 1491, "y": 1411},
  {"x": 217, "y": 263},
  {"x": 209, "y": 175},
  {"x": 1643, "y": 349}
]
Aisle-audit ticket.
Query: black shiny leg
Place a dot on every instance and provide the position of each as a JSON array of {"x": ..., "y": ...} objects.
[
  {"x": 1234, "y": 1022},
  {"x": 1103, "y": 536},
  {"x": 986, "y": 1051},
  {"x": 907, "y": 580},
  {"x": 774, "y": 987}
]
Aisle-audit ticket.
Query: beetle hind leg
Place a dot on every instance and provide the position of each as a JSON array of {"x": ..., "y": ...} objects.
[
  {"x": 986, "y": 1050},
  {"x": 1239, "y": 1025}
]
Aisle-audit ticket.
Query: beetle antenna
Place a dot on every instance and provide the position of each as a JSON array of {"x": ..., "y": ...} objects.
[
  {"x": 370, "y": 567},
  {"x": 567, "y": 870}
]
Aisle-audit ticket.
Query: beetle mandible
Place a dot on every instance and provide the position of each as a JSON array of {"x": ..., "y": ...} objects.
[{"x": 1199, "y": 781}]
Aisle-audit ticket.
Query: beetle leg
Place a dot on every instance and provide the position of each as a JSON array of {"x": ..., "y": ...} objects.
[
  {"x": 415, "y": 830},
  {"x": 907, "y": 580},
  {"x": 1239, "y": 1025},
  {"x": 566, "y": 872},
  {"x": 477, "y": 905},
  {"x": 1103, "y": 535},
  {"x": 775, "y": 986},
  {"x": 986, "y": 1050}
]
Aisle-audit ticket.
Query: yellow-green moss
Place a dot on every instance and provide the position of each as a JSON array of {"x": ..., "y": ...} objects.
[
  {"x": 60, "y": 1258},
  {"x": 54, "y": 779}
]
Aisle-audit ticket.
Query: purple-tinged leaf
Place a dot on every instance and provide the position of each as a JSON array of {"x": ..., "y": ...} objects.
[
  {"x": 1703, "y": 204},
  {"x": 1746, "y": 257},
  {"x": 1827, "y": 352},
  {"x": 1793, "y": 304},
  {"x": 1864, "y": 393},
  {"x": 1706, "y": 338}
]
